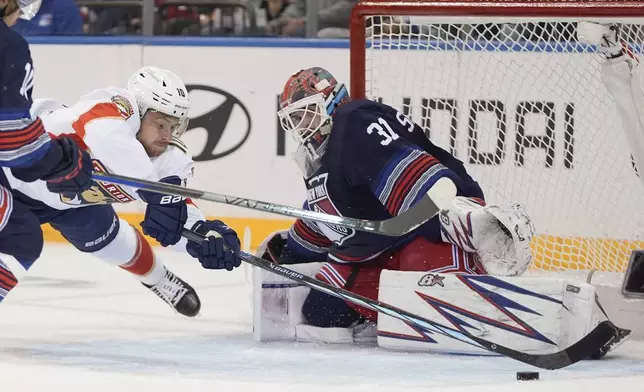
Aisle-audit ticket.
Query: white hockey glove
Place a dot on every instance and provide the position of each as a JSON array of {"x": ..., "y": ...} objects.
[
  {"x": 602, "y": 36},
  {"x": 500, "y": 237}
]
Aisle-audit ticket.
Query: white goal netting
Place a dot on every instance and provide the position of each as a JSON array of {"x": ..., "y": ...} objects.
[{"x": 521, "y": 102}]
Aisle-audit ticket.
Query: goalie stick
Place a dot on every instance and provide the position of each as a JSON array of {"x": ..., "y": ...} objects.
[
  {"x": 584, "y": 348},
  {"x": 436, "y": 199}
]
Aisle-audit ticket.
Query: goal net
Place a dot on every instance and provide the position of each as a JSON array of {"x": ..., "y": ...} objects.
[{"x": 507, "y": 88}]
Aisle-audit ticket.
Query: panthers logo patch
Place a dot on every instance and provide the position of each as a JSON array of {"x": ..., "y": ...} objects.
[
  {"x": 123, "y": 105},
  {"x": 99, "y": 193}
]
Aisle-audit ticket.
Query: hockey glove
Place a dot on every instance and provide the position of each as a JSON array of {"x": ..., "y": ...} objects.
[
  {"x": 211, "y": 252},
  {"x": 165, "y": 215},
  {"x": 66, "y": 167}
]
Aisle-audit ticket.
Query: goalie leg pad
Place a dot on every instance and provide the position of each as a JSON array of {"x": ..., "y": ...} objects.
[
  {"x": 278, "y": 311},
  {"x": 417, "y": 255},
  {"x": 531, "y": 314}
]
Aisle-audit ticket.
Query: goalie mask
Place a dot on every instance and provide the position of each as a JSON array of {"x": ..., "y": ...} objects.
[
  {"x": 307, "y": 106},
  {"x": 162, "y": 91}
]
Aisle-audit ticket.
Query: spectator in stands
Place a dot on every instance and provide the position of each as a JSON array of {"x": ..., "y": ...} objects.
[
  {"x": 53, "y": 17},
  {"x": 333, "y": 19},
  {"x": 273, "y": 8}
]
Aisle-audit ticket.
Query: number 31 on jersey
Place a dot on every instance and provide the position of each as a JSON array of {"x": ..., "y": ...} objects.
[{"x": 382, "y": 128}]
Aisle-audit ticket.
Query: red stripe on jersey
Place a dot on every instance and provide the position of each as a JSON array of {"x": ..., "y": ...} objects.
[
  {"x": 100, "y": 110},
  {"x": 407, "y": 180},
  {"x": 310, "y": 236},
  {"x": 6, "y": 207},
  {"x": 8, "y": 276},
  {"x": 6, "y": 285},
  {"x": 477, "y": 200},
  {"x": 7, "y": 280},
  {"x": 143, "y": 260},
  {"x": 10, "y": 140},
  {"x": 327, "y": 276}
]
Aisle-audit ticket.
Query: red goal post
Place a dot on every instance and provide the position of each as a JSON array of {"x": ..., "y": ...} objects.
[{"x": 506, "y": 86}]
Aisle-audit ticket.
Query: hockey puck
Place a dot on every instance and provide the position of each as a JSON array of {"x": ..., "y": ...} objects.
[{"x": 523, "y": 376}]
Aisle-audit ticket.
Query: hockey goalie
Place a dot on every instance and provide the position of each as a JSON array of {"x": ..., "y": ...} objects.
[{"x": 462, "y": 268}]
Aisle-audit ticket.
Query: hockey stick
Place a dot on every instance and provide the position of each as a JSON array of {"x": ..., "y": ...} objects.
[
  {"x": 584, "y": 348},
  {"x": 620, "y": 335},
  {"x": 438, "y": 198}
]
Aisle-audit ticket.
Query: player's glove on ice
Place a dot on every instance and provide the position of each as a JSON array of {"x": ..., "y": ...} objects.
[
  {"x": 66, "y": 167},
  {"x": 165, "y": 215},
  {"x": 211, "y": 252}
]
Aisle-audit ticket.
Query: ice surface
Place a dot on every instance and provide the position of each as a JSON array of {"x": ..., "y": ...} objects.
[{"x": 77, "y": 324}]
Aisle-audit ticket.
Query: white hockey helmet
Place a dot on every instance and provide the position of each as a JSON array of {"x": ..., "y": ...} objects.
[{"x": 162, "y": 91}]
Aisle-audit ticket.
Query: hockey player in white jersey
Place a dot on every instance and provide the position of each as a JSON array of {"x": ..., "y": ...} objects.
[{"x": 133, "y": 132}]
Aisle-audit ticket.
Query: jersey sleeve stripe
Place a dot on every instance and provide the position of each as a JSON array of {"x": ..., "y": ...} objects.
[
  {"x": 404, "y": 179},
  {"x": 325, "y": 277},
  {"x": 19, "y": 137},
  {"x": 332, "y": 271},
  {"x": 101, "y": 110},
  {"x": 7, "y": 277},
  {"x": 6, "y": 207},
  {"x": 14, "y": 120},
  {"x": 25, "y": 154},
  {"x": 22, "y": 139},
  {"x": 386, "y": 177},
  {"x": 422, "y": 185},
  {"x": 413, "y": 172},
  {"x": 329, "y": 273}
]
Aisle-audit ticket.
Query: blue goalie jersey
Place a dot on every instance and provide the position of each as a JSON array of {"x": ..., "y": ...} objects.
[
  {"x": 378, "y": 163},
  {"x": 23, "y": 139}
]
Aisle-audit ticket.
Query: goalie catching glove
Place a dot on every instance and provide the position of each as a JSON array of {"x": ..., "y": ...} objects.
[
  {"x": 501, "y": 238},
  {"x": 602, "y": 36},
  {"x": 211, "y": 252}
]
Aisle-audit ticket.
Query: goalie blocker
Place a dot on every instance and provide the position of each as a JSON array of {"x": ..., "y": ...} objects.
[{"x": 530, "y": 314}]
